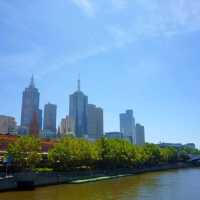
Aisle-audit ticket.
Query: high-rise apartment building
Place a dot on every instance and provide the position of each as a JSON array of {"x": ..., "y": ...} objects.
[
  {"x": 78, "y": 111},
  {"x": 94, "y": 122},
  {"x": 140, "y": 134},
  {"x": 8, "y": 125},
  {"x": 127, "y": 125},
  {"x": 30, "y": 107},
  {"x": 50, "y": 114}
]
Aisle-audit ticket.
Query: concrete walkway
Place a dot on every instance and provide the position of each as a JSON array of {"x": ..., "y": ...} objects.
[{"x": 99, "y": 179}]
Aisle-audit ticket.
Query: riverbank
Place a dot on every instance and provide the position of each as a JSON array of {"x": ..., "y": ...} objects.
[
  {"x": 32, "y": 180},
  {"x": 132, "y": 172},
  {"x": 181, "y": 184}
]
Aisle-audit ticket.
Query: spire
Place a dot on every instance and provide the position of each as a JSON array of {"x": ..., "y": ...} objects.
[
  {"x": 32, "y": 84},
  {"x": 79, "y": 83}
]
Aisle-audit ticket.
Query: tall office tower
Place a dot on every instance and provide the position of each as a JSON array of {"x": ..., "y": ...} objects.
[
  {"x": 8, "y": 125},
  {"x": 67, "y": 126},
  {"x": 30, "y": 106},
  {"x": 140, "y": 134},
  {"x": 78, "y": 111},
  {"x": 94, "y": 122},
  {"x": 50, "y": 114},
  {"x": 127, "y": 125}
]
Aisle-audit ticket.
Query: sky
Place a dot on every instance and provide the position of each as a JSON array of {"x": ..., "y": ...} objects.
[{"x": 131, "y": 54}]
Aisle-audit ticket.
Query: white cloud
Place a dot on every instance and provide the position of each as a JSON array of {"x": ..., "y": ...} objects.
[
  {"x": 135, "y": 20},
  {"x": 86, "y": 5},
  {"x": 119, "y": 35},
  {"x": 23, "y": 62},
  {"x": 154, "y": 18},
  {"x": 143, "y": 18},
  {"x": 160, "y": 17},
  {"x": 70, "y": 60},
  {"x": 120, "y": 4},
  {"x": 32, "y": 61}
]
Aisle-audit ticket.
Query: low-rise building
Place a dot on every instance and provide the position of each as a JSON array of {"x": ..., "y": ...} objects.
[
  {"x": 8, "y": 125},
  {"x": 48, "y": 134},
  {"x": 22, "y": 130},
  {"x": 174, "y": 145},
  {"x": 177, "y": 145},
  {"x": 190, "y": 145},
  {"x": 114, "y": 135},
  {"x": 67, "y": 126}
]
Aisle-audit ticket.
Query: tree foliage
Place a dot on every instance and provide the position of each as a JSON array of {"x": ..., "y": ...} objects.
[
  {"x": 25, "y": 152},
  {"x": 71, "y": 152},
  {"x": 116, "y": 153},
  {"x": 105, "y": 153},
  {"x": 74, "y": 153},
  {"x": 152, "y": 154},
  {"x": 168, "y": 155}
]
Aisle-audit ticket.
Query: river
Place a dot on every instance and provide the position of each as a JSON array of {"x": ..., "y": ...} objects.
[{"x": 181, "y": 184}]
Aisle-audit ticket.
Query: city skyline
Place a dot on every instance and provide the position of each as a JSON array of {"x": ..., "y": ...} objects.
[
  {"x": 32, "y": 85},
  {"x": 84, "y": 120},
  {"x": 129, "y": 56},
  {"x": 58, "y": 120}
]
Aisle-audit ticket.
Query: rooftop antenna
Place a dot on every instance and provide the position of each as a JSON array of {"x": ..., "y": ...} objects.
[
  {"x": 79, "y": 83},
  {"x": 32, "y": 84}
]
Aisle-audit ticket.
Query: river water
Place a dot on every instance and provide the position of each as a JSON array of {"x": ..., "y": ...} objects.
[{"x": 181, "y": 184}]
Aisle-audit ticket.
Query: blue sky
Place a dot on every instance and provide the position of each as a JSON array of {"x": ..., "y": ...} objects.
[{"x": 141, "y": 54}]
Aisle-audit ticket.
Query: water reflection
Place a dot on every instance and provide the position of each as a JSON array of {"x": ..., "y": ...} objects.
[{"x": 171, "y": 185}]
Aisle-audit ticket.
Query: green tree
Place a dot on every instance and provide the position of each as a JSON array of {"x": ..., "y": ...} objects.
[
  {"x": 72, "y": 152},
  {"x": 168, "y": 155},
  {"x": 152, "y": 153},
  {"x": 141, "y": 157},
  {"x": 189, "y": 150},
  {"x": 183, "y": 155},
  {"x": 25, "y": 151},
  {"x": 115, "y": 153}
]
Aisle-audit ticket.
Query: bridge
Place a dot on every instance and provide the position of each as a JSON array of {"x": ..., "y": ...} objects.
[{"x": 194, "y": 159}]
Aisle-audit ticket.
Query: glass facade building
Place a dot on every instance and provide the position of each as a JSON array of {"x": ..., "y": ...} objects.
[{"x": 78, "y": 111}]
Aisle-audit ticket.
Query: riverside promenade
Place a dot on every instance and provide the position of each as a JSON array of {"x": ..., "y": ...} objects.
[{"x": 44, "y": 179}]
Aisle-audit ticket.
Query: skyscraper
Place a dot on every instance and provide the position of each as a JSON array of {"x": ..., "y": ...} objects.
[
  {"x": 140, "y": 134},
  {"x": 50, "y": 114},
  {"x": 94, "y": 122},
  {"x": 78, "y": 111},
  {"x": 30, "y": 106},
  {"x": 127, "y": 125}
]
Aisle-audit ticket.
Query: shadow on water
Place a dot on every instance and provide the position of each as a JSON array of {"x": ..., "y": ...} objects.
[{"x": 170, "y": 185}]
